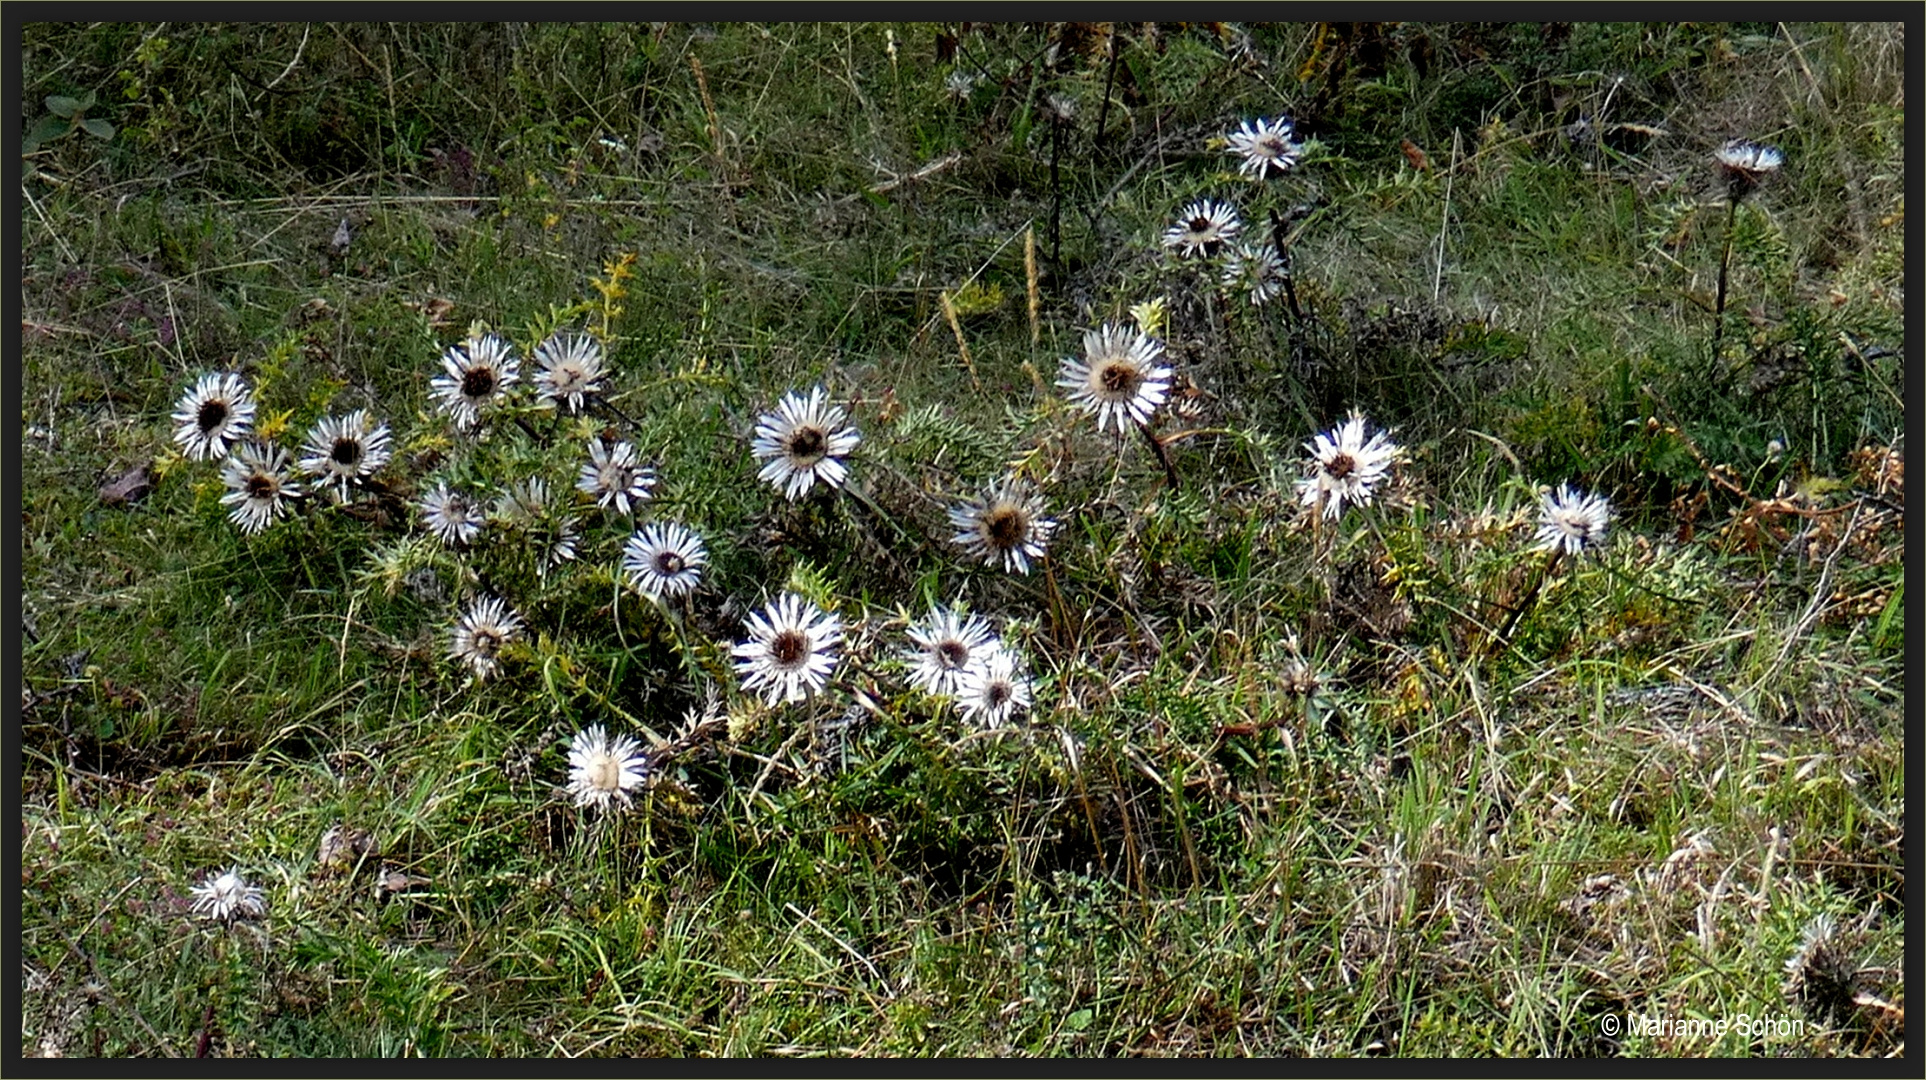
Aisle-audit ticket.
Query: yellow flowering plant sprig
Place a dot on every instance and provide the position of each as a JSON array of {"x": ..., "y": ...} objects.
[{"x": 610, "y": 287}]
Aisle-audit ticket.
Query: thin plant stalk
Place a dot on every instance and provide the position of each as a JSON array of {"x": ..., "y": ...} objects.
[
  {"x": 1109, "y": 82},
  {"x": 1530, "y": 599},
  {"x": 1725, "y": 260},
  {"x": 1056, "y": 188},
  {"x": 1163, "y": 456},
  {"x": 1284, "y": 258}
]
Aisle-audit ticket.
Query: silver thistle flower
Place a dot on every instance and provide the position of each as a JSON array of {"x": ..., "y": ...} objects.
[
  {"x": 603, "y": 770},
  {"x": 804, "y": 440},
  {"x": 475, "y": 374},
  {"x": 1571, "y": 521},
  {"x": 1005, "y": 526},
  {"x": 1119, "y": 378},
  {"x": 1268, "y": 147},
  {"x": 792, "y": 648},
  {"x": 1345, "y": 466},
  {"x": 1203, "y": 229},
  {"x": 259, "y": 483},
  {"x": 214, "y": 414}
]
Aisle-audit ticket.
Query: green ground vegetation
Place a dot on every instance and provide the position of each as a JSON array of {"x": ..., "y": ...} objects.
[{"x": 1392, "y": 783}]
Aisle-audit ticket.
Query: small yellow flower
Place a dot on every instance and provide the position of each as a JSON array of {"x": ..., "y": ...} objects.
[{"x": 1151, "y": 315}]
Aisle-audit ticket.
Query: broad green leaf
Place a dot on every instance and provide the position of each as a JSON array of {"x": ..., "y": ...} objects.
[
  {"x": 98, "y": 128},
  {"x": 62, "y": 105},
  {"x": 49, "y": 127}
]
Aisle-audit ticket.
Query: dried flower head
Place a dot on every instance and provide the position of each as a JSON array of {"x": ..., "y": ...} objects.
[
  {"x": 1119, "y": 378},
  {"x": 1820, "y": 973},
  {"x": 1268, "y": 147},
  {"x": 227, "y": 896},
  {"x": 1203, "y": 228},
  {"x": 1745, "y": 165},
  {"x": 1572, "y": 521},
  {"x": 602, "y": 771},
  {"x": 792, "y": 648},
  {"x": 526, "y": 508},
  {"x": 215, "y": 413},
  {"x": 664, "y": 559},
  {"x": 259, "y": 483},
  {"x": 1345, "y": 466},
  {"x": 803, "y": 440},
  {"x": 475, "y": 374},
  {"x": 1005, "y": 527}
]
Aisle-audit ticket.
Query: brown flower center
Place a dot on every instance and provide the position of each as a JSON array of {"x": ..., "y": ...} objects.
[
  {"x": 486, "y": 643},
  {"x": 1200, "y": 224},
  {"x": 346, "y": 452},
  {"x": 952, "y": 653},
  {"x": 1007, "y": 526},
  {"x": 808, "y": 445},
  {"x": 261, "y": 486},
  {"x": 1341, "y": 466},
  {"x": 669, "y": 563},
  {"x": 998, "y": 694},
  {"x": 789, "y": 648},
  {"x": 212, "y": 415},
  {"x": 1119, "y": 378},
  {"x": 477, "y": 383}
]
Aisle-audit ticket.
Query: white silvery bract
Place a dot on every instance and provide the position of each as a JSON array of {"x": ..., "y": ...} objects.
[
  {"x": 227, "y": 896},
  {"x": 214, "y": 414},
  {"x": 948, "y": 647},
  {"x": 1749, "y": 157},
  {"x": 1118, "y": 380},
  {"x": 1345, "y": 466},
  {"x": 996, "y": 691},
  {"x": 1005, "y": 527},
  {"x": 603, "y": 770},
  {"x": 1572, "y": 520},
  {"x": 615, "y": 475},
  {"x": 475, "y": 374},
  {"x": 1745, "y": 165},
  {"x": 1268, "y": 147},
  {"x": 1203, "y": 228},
  {"x": 1256, "y": 271},
  {"x": 792, "y": 648},
  {"x": 664, "y": 559},
  {"x": 258, "y": 479},
  {"x": 804, "y": 439},
  {"x": 454, "y": 517},
  {"x": 525, "y": 507},
  {"x": 571, "y": 370},
  {"x": 340, "y": 450},
  {"x": 484, "y": 629}
]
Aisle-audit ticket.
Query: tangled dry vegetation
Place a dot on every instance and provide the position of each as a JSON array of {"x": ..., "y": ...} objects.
[{"x": 1044, "y": 539}]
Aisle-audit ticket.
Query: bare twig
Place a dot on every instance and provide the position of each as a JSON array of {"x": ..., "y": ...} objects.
[
  {"x": 946, "y": 162},
  {"x": 289, "y": 70}
]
